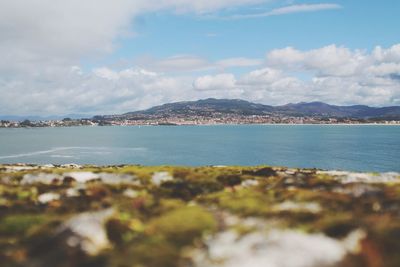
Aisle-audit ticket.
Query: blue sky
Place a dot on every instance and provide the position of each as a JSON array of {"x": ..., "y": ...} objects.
[
  {"x": 356, "y": 25},
  {"x": 114, "y": 56}
]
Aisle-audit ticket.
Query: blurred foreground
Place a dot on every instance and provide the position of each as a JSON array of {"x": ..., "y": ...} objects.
[{"x": 73, "y": 215}]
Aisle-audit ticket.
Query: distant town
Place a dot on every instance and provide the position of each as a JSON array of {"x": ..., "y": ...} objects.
[
  {"x": 218, "y": 119},
  {"x": 229, "y": 111}
]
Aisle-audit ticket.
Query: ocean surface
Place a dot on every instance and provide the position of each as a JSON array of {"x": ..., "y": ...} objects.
[{"x": 340, "y": 147}]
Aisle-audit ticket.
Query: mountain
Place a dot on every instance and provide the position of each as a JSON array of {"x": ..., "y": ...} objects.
[
  {"x": 321, "y": 109},
  {"x": 210, "y": 106}
]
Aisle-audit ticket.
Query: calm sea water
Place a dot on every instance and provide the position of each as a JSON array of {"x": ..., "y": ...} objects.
[{"x": 357, "y": 148}]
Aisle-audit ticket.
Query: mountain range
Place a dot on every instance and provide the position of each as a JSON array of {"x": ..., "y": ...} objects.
[{"x": 212, "y": 106}]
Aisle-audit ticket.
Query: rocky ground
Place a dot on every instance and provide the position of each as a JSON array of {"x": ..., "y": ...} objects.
[{"x": 138, "y": 216}]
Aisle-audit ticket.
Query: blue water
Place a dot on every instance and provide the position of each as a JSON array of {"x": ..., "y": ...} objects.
[{"x": 357, "y": 148}]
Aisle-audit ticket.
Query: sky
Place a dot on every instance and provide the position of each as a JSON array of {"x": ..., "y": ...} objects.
[{"x": 115, "y": 56}]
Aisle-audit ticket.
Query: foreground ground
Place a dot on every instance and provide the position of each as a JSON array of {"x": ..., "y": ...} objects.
[{"x": 197, "y": 217}]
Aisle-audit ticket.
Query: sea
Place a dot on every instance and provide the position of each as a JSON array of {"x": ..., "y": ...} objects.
[{"x": 367, "y": 148}]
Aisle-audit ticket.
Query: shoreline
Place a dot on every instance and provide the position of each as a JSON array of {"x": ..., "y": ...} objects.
[
  {"x": 49, "y": 166},
  {"x": 221, "y": 124}
]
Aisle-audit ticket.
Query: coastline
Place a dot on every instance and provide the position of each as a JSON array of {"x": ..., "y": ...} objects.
[{"x": 217, "y": 124}]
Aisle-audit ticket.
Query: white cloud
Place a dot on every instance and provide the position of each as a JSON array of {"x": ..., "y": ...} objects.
[
  {"x": 204, "y": 6},
  {"x": 331, "y": 74},
  {"x": 300, "y": 8},
  {"x": 384, "y": 69},
  {"x": 262, "y": 77},
  {"x": 303, "y": 8},
  {"x": 102, "y": 91},
  {"x": 217, "y": 82},
  {"x": 328, "y": 60},
  {"x": 293, "y": 78},
  {"x": 106, "y": 73},
  {"x": 112, "y": 75},
  {"x": 288, "y": 56},
  {"x": 387, "y": 55},
  {"x": 39, "y": 33},
  {"x": 43, "y": 42},
  {"x": 344, "y": 76}
]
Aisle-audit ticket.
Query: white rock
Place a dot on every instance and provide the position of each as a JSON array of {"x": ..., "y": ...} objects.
[
  {"x": 44, "y": 178},
  {"x": 47, "y": 166},
  {"x": 111, "y": 178},
  {"x": 72, "y": 192},
  {"x": 160, "y": 177},
  {"x": 82, "y": 177},
  {"x": 352, "y": 241},
  {"x": 277, "y": 248},
  {"x": 88, "y": 231},
  {"x": 312, "y": 207},
  {"x": 356, "y": 177},
  {"x": 48, "y": 197},
  {"x": 249, "y": 183},
  {"x": 130, "y": 193},
  {"x": 17, "y": 168},
  {"x": 357, "y": 190}
]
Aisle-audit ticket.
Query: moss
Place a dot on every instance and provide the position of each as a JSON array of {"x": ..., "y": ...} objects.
[
  {"x": 182, "y": 226},
  {"x": 171, "y": 204},
  {"x": 152, "y": 251},
  {"x": 19, "y": 224},
  {"x": 243, "y": 202}
]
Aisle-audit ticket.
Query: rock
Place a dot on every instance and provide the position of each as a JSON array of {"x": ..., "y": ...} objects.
[
  {"x": 160, "y": 177},
  {"x": 359, "y": 190},
  {"x": 48, "y": 197},
  {"x": 19, "y": 167},
  {"x": 111, "y": 178},
  {"x": 311, "y": 207},
  {"x": 355, "y": 177},
  {"x": 47, "y": 166},
  {"x": 249, "y": 183},
  {"x": 130, "y": 193},
  {"x": 43, "y": 178},
  {"x": 72, "y": 192},
  {"x": 88, "y": 231},
  {"x": 82, "y": 177},
  {"x": 276, "y": 248}
]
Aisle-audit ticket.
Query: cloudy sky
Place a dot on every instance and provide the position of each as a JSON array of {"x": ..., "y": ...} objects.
[{"x": 113, "y": 56}]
